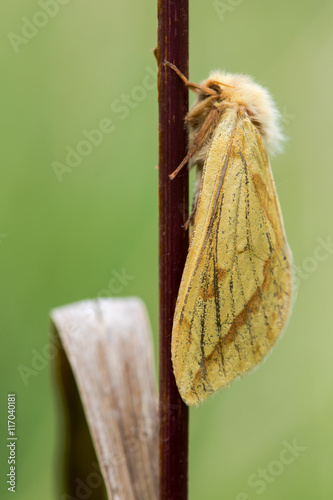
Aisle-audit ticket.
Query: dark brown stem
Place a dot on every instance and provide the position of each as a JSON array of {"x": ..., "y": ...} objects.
[{"x": 173, "y": 239}]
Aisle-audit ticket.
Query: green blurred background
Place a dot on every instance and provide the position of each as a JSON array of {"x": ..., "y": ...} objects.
[{"x": 60, "y": 242}]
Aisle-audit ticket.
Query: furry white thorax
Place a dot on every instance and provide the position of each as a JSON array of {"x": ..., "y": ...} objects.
[{"x": 258, "y": 102}]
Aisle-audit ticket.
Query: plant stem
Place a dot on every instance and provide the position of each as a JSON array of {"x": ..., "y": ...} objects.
[{"x": 173, "y": 239}]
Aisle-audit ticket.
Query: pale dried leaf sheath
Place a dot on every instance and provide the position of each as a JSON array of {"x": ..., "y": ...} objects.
[
  {"x": 235, "y": 294},
  {"x": 109, "y": 348}
]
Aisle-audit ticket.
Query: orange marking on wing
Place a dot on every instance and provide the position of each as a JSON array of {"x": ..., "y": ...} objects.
[{"x": 210, "y": 291}]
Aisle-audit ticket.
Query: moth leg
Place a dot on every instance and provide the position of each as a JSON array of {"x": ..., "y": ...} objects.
[
  {"x": 192, "y": 214},
  {"x": 185, "y": 160},
  {"x": 193, "y": 86},
  {"x": 199, "y": 140},
  {"x": 190, "y": 220}
]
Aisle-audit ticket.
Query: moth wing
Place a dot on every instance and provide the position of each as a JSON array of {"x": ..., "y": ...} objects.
[{"x": 235, "y": 294}]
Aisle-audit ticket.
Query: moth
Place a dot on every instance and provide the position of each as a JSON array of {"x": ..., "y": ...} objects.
[{"x": 235, "y": 294}]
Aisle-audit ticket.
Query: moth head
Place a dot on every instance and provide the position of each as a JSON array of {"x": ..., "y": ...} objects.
[{"x": 222, "y": 89}]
